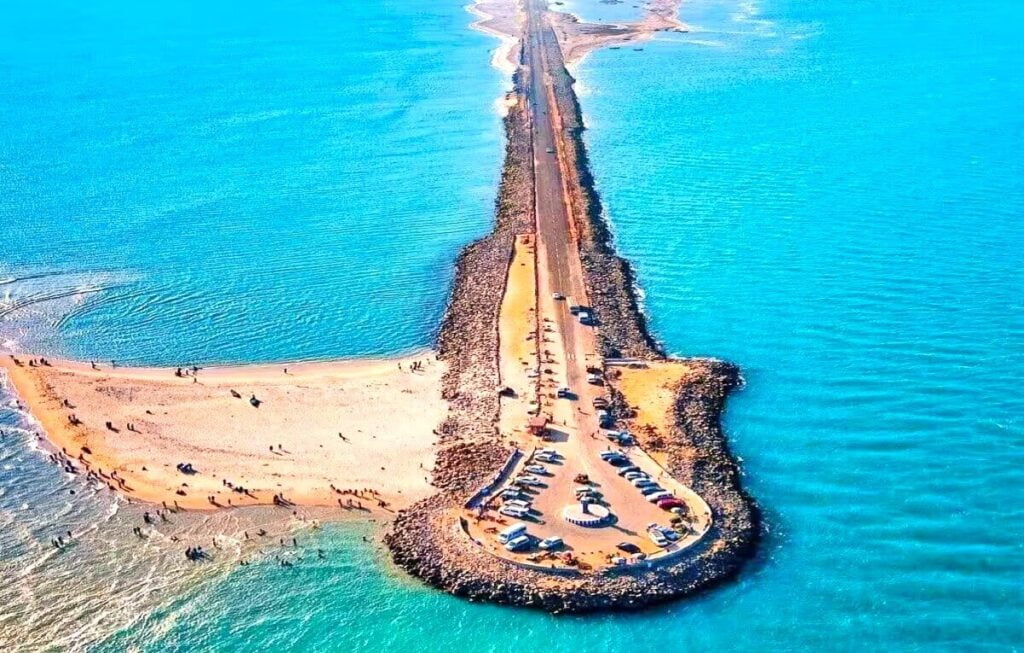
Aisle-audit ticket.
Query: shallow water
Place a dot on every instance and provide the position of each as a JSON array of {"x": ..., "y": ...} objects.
[{"x": 828, "y": 194}]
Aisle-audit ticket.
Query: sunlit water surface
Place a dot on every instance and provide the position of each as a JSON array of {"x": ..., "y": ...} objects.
[{"x": 829, "y": 194}]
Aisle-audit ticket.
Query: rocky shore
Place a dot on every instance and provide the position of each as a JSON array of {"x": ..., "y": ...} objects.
[{"x": 426, "y": 540}]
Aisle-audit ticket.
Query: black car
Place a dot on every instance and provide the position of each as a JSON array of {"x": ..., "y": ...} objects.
[{"x": 628, "y": 547}]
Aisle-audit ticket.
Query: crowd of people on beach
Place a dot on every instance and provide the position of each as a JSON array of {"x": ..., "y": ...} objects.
[
  {"x": 349, "y": 498},
  {"x": 416, "y": 366}
]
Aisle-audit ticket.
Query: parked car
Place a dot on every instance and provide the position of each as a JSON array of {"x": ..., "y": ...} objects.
[
  {"x": 642, "y": 482},
  {"x": 651, "y": 489},
  {"x": 549, "y": 543},
  {"x": 600, "y": 402},
  {"x": 557, "y": 296},
  {"x": 670, "y": 503},
  {"x": 513, "y": 511},
  {"x": 536, "y": 469},
  {"x": 655, "y": 536},
  {"x": 632, "y": 476},
  {"x": 594, "y": 379},
  {"x": 658, "y": 496},
  {"x": 628, "y": 547},
  {"x": 628, "y": 470},
  {"x": 528, "y": 480},
  {"x": 518, "y": 543}
]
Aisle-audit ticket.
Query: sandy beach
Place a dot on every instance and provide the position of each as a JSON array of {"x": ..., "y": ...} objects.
[
  {"x": 363, "y": 425},
  {"x": 503, "y": 20},
  {"x": 579, "y": 38}
]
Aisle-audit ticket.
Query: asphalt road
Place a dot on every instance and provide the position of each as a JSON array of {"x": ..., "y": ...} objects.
[{"x": 573, "y": 346}]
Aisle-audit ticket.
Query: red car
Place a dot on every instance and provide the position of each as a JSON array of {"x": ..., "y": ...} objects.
[{"x": 669, "y": 504}]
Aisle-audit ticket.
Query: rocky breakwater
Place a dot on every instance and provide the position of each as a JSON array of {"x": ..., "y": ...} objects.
[{"x": 428, "y": 540}]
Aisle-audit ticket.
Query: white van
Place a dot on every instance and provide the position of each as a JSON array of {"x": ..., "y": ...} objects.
[
  {"x": 512, "y": 532},
  {"x": 517, "y": 543}
]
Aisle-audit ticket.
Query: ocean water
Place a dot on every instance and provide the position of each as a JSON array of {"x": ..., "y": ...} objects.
[
  {"x": 230, "y": 182},
  {"x": 828, "y": 193}
]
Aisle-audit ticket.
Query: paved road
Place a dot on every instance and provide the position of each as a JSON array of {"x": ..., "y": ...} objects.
[{"x": 572, "y": 345}]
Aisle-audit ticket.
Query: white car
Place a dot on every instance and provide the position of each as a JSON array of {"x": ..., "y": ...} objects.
[
  {"x": 532, "y": 374},
  {"x": 642, "y": 482},
  {"x": 632, "y": 476},
  {"x": 658, "y": 496},
  {"x": 512, "y": 511},
  {"x": 518, "y": 503},
  {"x": 544, "y": 457},
  {"x": 548, "y": 452},
  {"x": 557, "y": 296},
  {"x": 536, "y": 469},
  {"x": 527, "y": 480},
  {"x": 656, "y": 536},
  {"x": 549, "y": 543}
]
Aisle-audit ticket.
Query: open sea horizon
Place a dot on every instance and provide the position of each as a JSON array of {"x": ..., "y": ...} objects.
[{"x": 829, "y": 194}]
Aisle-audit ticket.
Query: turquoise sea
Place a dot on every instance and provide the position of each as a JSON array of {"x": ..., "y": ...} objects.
[{"x": 830, "y": 194}]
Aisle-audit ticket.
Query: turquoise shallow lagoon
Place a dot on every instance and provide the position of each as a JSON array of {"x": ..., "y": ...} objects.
[{"x": 828, "y": 193}]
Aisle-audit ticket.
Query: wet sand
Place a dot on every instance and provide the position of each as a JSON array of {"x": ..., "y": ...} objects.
[{"x": 356, "y": 425}]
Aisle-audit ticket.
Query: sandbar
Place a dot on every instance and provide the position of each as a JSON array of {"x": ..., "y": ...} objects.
[{"x": 357, "y": 425}]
